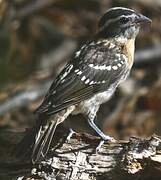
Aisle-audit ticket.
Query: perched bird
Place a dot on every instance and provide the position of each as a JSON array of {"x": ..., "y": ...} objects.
[{"x": 90, "y": 78}]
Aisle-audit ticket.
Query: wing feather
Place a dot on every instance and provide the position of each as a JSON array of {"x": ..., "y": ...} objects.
[{"x": 69, "y": 88}]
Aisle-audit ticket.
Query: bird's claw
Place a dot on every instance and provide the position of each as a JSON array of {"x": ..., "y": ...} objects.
[
  {"x": 71, "y": 132},
  {"x": 113, "y": 140},
  {"x": 107, "y": 138},
  {"x": 99, "y": 145}
]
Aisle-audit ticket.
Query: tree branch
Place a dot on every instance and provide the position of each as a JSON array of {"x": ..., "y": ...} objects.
[{"x": 77, "y": 159}]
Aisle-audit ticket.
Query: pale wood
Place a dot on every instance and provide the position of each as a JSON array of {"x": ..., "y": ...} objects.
[{"x": 76, "y": 159}]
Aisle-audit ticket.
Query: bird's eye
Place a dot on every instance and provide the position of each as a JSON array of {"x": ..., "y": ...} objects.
[{"x": 124, "y": 20}]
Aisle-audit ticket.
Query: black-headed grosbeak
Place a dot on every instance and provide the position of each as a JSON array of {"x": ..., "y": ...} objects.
[{"x": 89, "y": 79}]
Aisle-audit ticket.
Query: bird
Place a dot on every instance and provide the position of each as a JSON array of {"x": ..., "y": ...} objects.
[{"x": 89, "y": 79}]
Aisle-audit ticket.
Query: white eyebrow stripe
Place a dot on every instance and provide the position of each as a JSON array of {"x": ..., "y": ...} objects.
[
  {"x": 116, "y": 19},
  {"x": 108, "y": 22},
  {"x": 123, "y": 8}
]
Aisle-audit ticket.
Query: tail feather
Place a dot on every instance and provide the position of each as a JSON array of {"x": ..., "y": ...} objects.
[
  {"x": 43, "y": 141},
  {"x": 48, "y": 138},
  {"x": 37, "y": 141}
]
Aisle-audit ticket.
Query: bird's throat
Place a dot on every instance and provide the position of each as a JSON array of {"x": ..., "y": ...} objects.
[{"x": 129, "y": 49}]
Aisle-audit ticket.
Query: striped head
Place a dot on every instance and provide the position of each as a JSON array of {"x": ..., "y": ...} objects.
[{"x": 121, "y": 21}]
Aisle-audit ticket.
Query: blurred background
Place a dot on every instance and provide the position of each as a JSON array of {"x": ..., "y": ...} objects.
[{"x": 37, "y": 37}]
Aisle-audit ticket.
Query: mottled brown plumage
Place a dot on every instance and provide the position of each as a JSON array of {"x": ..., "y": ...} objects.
[{"x": 90, "y": 78}]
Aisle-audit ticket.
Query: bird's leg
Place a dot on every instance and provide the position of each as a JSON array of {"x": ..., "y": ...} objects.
[
  {"x": 100, "y": 133},
  {"x": 71, "y": 132},
  {"x": 99, "y": 145}
]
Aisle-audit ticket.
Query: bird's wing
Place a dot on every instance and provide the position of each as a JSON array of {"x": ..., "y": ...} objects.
[{"x": 92, "y": 70}]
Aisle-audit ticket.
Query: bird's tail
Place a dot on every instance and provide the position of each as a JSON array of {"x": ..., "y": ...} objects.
[
  {"x": 36, "y": 142},
  {"x": 43, "y": 140}
]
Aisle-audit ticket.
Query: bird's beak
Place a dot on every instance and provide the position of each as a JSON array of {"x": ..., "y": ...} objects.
[{"x": 140, "y": 19}]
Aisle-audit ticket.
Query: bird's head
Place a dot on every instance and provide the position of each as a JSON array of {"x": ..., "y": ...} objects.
[{"x": 121, "y": 22}]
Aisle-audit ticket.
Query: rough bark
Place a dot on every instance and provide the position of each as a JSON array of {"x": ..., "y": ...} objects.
[{"x": 134, "y": 159}]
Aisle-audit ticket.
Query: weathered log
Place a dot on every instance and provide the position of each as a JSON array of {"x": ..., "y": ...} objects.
[{"x": 134, "y": 159}]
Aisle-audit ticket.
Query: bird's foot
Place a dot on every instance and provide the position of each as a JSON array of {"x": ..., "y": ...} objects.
[
  {"x": 108, "y": 138},
  {"x": 105, "y": 138},
  {"x": 71, "y": 132}
]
